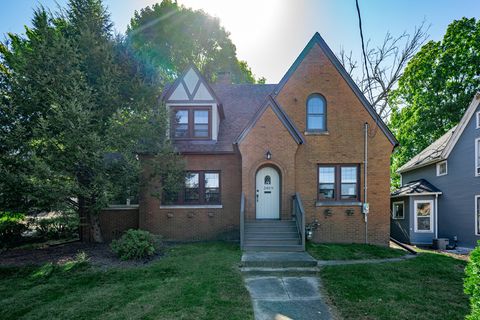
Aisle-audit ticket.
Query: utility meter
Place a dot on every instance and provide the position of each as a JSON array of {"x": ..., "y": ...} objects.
[{"x": 365, "y": 208}]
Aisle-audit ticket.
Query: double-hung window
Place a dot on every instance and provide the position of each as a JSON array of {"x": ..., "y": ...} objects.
[
  {"x": 477, "y": 157},
  {"x": 338, "y": 182},
  {"x": 423, "y": 215},
  {"x": 200, "y": 188},
  {"x": 191, "y": 123},
  {"x": 316, "y": 113},
  {"x": 477, "y": 215}
]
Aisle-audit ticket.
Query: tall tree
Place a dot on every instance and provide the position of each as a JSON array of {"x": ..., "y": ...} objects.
[
  {"x": 435, "y": 89},
  {"x": 169, "y": 36},
  {"x": 75, "y": 109}
]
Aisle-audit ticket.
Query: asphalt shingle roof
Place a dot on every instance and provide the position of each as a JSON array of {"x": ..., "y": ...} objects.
[
  {"x": 419, "y": 187},
  {"x": 431, "y": 153},
  {"x": 240, "y": 103}
]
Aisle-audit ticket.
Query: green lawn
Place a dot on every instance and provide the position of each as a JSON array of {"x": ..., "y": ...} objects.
[
  {"x": 427, "y": 287},
  {"x": 194, "y": 281},
  {"x": 351, "y": 251}
]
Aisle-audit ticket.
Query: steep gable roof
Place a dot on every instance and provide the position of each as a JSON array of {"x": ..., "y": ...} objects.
[
  {"x": 192, "y": 87},
  {"x": 318, "y": 40},
  {"x": 286, "y": 121},
  {"x": 441, "y": 148}
]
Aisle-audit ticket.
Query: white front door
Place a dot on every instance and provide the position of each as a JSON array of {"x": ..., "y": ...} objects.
[{"x": 267, "y": 194}]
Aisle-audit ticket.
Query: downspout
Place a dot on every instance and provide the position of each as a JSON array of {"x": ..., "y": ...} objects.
[
  {"x": 365, "y": 186},
  {"x": 436, "y": 216}
]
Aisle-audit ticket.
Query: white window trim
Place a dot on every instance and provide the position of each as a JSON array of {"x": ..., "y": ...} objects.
[
  {"x": 476, "y": 215},
  {"x": 415, "y": 216},
  {"x": 393, "y": 210},
  {"x": 477, "y": 165},
  {"x": 477, "y": 117},
  {"x": 438, "y": 168}
]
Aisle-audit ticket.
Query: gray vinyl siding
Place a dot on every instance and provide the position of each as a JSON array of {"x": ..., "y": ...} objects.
[
  {"x": 456, "y": 206},
  {"x": 400, "y": 228}
]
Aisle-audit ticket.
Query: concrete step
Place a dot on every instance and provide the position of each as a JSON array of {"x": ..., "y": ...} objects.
[
  {"x": 273, "y": 248},
  {"x": 269, "y": 235},
  {"x": 291, "y": 271},
  {"x": 269, "y": 242},
  {"x": 267, "y": 228},
  {"x": 278, "y": 260}
]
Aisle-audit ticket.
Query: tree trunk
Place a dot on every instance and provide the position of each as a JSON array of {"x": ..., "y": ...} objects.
[{"x": 95, "y": 231}]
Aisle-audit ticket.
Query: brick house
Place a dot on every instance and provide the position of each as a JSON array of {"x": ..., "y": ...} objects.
[{"x": 264, "y": 160}]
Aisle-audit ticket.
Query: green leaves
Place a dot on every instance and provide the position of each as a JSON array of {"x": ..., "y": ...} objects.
[
  {"x": 435, "y": 89},
  {"x": 71, "y": 94},
  {"x": 168, "y": 37}
]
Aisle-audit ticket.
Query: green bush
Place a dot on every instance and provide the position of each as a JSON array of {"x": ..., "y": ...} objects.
[
  {"x": 135, "y": 244},
  {"x": 472, "y": 283},
  {"x": 12, "y": 226},
  {"x": 62, "y": 226}
]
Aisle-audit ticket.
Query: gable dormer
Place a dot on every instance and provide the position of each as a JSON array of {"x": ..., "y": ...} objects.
[{"x": 195, "y": 110}]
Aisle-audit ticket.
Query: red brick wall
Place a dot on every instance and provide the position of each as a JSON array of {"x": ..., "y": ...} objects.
[
  {"x": 114, "y": 222},
  {"x": 343, "y": 144},
  {"x": 268, "y": 134},
  {"x": 195, "y": 223}
]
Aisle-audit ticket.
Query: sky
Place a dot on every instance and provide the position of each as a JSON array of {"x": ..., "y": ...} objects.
[{"x": 270, "y": 34}]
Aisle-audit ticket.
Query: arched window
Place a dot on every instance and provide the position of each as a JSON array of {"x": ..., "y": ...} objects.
[
  {"x": 316, "y": 113},
  {"x": 268, "y": 180}
]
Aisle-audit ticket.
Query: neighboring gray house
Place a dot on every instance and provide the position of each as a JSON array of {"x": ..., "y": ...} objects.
[{"x": 440, "y": 193}]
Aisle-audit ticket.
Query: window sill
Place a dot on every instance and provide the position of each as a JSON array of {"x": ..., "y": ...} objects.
[
  {"x": 338, "y": 204},
  {"x": 192, "y": 206},
  {"x": 317, "y": 133}
]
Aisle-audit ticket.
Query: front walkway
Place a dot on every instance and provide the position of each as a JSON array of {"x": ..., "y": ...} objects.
[
  {"x": 286, "y": 285},
  {"x": 282, "y": 298}
]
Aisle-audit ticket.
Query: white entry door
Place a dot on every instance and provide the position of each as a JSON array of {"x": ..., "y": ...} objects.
[{"x": 267, "y": 194}]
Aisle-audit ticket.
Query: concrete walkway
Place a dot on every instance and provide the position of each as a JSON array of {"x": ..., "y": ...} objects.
[
  {"x": 283, "y": 298},
  {"x": 322, "y": 263}
]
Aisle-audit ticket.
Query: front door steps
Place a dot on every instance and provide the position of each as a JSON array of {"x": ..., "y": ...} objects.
[
  {"x": 272, "y": 235},
  {"x": 278, "y": 263}
]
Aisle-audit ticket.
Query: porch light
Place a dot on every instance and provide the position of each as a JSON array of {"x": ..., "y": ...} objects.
[{"x": 268, "y": 155}]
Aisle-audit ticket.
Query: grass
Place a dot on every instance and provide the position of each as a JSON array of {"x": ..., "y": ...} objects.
[
  {"x": 427, "y": 287},
  {"x": 194, "y": 281},
  {"x": 351, "y": 251}
]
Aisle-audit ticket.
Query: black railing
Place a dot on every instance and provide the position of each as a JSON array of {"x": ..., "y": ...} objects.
[
  {"x": 299, "y": 214},
  {"x": 242, "y": 219}
]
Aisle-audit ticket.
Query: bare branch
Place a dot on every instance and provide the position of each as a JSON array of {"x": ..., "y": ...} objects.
[{"x": 385, "y": 65}]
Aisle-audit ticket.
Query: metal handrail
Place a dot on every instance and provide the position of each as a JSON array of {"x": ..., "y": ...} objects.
[
  {"x": 242, "y": 219},
  {"x": 299, "y": 213}
]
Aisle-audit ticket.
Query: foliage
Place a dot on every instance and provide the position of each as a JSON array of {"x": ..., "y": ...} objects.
[
  {"x": 168, "y": 37},
  {"x": 12, "y": 226},
  {"x": 75, "y": 106},
  {"x": 337, "y": 251},
  {"x": 472, "y": 283},
  {"x": 134, "y": 245},
  {"x": 435, "y": 89},
  {"x": 428, "y": 287},
  {"x": 61, "y": 226},
  {"x": 193, "y": 281}
]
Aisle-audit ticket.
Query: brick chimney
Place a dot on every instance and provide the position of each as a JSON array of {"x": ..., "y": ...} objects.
[{"x": 224, "y": 77}]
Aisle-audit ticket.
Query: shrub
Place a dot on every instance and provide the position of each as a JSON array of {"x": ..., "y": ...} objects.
[
  {"x": 472, "y": 283},
  {"x": 60, "y": 226},
  {"x": 12, "y": 226},
  {"x": 135, "y": 244}
]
